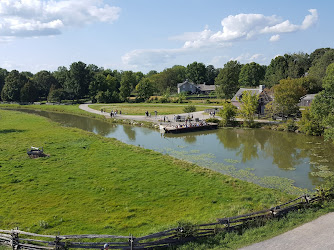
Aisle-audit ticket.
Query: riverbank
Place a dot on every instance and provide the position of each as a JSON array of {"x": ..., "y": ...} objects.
[{"x": 95, "y": 184}]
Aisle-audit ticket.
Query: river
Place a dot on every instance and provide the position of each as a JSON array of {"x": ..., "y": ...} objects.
[{"x": 269, "y": 158}]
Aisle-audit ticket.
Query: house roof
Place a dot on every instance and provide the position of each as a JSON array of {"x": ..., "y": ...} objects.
[
  {"x": 256, "y": 91},
  {"x": 185, "y": 82},
  {"x": 204, "y": 87},
  {"x": 308, "y": 97}
]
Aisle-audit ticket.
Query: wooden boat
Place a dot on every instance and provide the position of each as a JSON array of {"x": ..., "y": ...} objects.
[{"x": 192, "y": 128}]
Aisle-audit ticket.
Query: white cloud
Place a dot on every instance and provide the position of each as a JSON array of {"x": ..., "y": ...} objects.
[
  {"x": 310, "y": 20},
  {"x": 39, "y": 18},
  {"x": 274, "y": 38},
  {"x": 234, "y": 28},
  {"x": 248, "y": 58}
]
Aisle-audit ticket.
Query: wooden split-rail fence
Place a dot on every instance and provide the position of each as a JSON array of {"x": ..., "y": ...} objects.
[{"x": 18, "y": 239}]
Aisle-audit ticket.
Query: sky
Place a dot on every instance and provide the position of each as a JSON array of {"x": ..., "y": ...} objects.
[{"x": 144, "y": 35}]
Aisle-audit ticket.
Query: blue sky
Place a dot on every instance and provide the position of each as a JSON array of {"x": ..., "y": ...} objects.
[{"x": 143, "y": 35}]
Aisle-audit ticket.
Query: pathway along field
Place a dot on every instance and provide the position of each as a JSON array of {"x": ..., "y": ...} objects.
[{"x": 92, "y": 184}]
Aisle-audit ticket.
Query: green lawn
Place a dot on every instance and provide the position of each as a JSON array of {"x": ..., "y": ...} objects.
[
  {"x": 92, "y": 184},
  {"x": 140, "y": 108}
]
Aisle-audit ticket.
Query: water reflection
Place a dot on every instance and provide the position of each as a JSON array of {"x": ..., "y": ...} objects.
[
  {"x": 304, "y": 159},
  {"x": 130, "y": 132}
]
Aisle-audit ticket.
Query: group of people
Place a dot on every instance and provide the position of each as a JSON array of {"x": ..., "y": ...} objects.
[
  {"x": 189, "y": 124},
  {"x": 114, "y": 113}
]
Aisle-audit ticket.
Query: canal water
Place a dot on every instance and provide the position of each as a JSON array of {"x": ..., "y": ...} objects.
[{"x": 270, "y": 158}]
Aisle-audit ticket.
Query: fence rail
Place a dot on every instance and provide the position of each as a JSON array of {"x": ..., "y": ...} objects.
[{"x": 18, "y": 239}]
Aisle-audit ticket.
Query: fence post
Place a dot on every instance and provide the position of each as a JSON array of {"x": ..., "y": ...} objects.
[
  {"x": 131, "y": 241},
  {"x": 57, "y": 241},
  {"x": 15, "y": 239}
]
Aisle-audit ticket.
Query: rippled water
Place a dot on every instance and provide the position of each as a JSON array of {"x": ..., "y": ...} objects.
[{"x": 255, "y": 155}]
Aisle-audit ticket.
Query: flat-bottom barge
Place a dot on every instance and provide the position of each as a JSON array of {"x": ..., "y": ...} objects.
[{"x": 190, "y": 128}]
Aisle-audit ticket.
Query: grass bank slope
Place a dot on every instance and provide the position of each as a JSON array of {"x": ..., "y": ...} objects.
[{"x": 92, "y": 184}]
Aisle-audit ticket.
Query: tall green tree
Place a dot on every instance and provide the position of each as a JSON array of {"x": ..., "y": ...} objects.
[
  {"x": 248, "y": 108},
  {"x": 228, "y": 113},
  {"x": 276, "y": 71},
  {"x": 251, "y": 74},
  {"x": 3, "y": 74},
  {"x": 320, "y": 64},
  {"x": 130, "y": 78},
  {"x": 144, "y": 89},
  {"x": 44, "y": 80},
  {"x": 13, "y": 84},
  {"x": 211, "y": 74},
  {"x": 196, "y": 72},
  {"x": 61, "y": 75},
  {"x": 168, "y": 79},
  {"x": 125, "y": 89},
  {"x": 298, "y": 64},
  {"x": 77, "y": 82},
  {"x": 227, "y": 80},
  {"x": 287, "y": 96},
  {"x": 29, "y": 92}
]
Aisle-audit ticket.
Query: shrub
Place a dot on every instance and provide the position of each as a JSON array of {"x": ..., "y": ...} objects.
[{"x": 189, "y": 109}]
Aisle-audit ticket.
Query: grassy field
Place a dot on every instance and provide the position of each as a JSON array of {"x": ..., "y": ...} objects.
[
  {"x": 92, "y": 184},
  {"x": 140, "y": 108}
]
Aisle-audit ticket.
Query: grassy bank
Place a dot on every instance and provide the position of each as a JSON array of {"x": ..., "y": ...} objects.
[{"x": 91, "y": 184}]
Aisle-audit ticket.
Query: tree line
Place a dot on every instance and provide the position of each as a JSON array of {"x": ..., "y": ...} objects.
[{"x": 105, "y": 85}]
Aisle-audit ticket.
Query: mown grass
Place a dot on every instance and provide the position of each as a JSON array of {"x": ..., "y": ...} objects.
[
  {"x": 92, "y": 184},
  {"x": 72, "y": 109},
  {"x": 141, "y": 108}
]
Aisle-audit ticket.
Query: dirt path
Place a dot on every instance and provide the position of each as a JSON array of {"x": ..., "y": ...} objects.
[
  {"x": 317, "y": 234},
  {"x": 169, "y": 119}
]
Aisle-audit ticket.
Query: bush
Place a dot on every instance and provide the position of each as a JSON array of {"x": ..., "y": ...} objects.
[
  {"x": 213, "y": 120},
  {"x": 189, "y": 109}
]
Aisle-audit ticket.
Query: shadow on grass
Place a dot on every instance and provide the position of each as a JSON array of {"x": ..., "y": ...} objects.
[{"x": 7, "y": 131}]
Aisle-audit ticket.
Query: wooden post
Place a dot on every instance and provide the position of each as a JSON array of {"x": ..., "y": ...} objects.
[
  {"x": 131, "y": 241},
  {"x": 15, "y": 239},
  {"x": 57, "y": 245}
]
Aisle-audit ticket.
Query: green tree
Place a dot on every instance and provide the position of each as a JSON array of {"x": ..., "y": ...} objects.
[
  {"x": 13, "y": 84},
  {"x": 168, "y": 78},
  {"x": 287, "y": 96},
  {"x": 227, "y": 80},
  {"x": 309, "y": 125},
  {"x": 251, "y": 74},
  {"x": 29, "y": 92},
  {"x": 211, "y": 74},
  {"x": 276, "y": 71},
  {"x": 248, "y": 108},
  {"x": 61, "y": 75},
  {"x": 320, "y": 64},
  {"x": 227, "y": 113},
  {"x": 44, "y": 80},
  {"x": 298, "y": 64},
  {"x": 322, "y": 107},
  {"x": 77, "y": 82},
  {"x": 196, "y": 72},
  {"x": 125, "y": 89},
  {"x": 56, "y": 94},
  {"x": 3, "y": 74},
  {"x": 144, "y": 89},
  {"x": 130, "y": 78}
]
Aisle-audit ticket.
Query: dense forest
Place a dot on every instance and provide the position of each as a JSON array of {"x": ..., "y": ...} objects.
[
  {"x": 106, "y": 85},
  {"x": 290, "y": 77}
]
